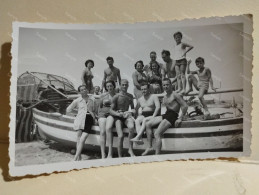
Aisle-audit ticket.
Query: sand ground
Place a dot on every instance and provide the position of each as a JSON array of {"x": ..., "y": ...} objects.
[{"x": 38, "y": 152}]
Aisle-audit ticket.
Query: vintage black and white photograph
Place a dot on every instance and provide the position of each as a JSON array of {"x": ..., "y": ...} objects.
[{"x": 90, "y": 95}]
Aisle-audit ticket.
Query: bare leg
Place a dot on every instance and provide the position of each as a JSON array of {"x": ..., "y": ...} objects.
[
  {"x": 202, "y": 91},
  {"x": 109, "y": 126},
  {"x": 118, "y": 125},
  {"x": 79, "y": 134},
  {"x": 130, "y": 125},
  {"x": 179, "y": 83},
  {"x": 80, "y": 146},
  {"x": 102, "y": 125},
  {"x": 149, "y": 126},
  {"x": 164, "y": 125},
  {"x": 138, "y": 123},
  {"x": 140, "y": 129},
  {"x": 183, "y": 78},
  {"x": 192, "y": 81}
]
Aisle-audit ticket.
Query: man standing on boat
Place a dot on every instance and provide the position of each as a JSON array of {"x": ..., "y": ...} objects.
[
  {"x": 169, "y": 68},
  {"x": 121, "y": 115},
  {"x": 111, "y": 74},
  {"x": 170, "y": 119}
]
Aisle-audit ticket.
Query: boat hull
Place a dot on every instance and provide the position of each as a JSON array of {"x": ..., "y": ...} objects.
[{"x": 192, "y": 136}]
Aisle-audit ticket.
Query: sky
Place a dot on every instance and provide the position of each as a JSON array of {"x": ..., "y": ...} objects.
[{"x": 63, "y": 51}]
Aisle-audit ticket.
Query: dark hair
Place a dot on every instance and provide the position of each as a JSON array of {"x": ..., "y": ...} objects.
[
  {"x": 178, "y": 33},
  {"x": 155, "y": 62},
  {"x": 110, "y": 81},
  {"x": 87, "y": 61},
  {"x": 141, "y": 62},
  {"x": 167, "y": 79},
  {"x": 152, "y": 52},
  {"x": 200, "y": 59},
  {"x": 143, "y": 83},
  {"x": 109, "y": 58},
  {"x": 166, "y": 52},
  {"x": 78, "y": 89}
]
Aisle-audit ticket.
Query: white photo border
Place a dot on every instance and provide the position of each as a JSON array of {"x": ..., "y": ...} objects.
[{"x": 67, "y": 166}]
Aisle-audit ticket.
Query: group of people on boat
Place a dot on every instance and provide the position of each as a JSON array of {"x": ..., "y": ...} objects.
[{"x": 116, "y": 106}]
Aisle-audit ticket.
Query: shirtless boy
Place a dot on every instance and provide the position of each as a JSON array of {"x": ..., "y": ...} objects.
[
  {"x": 111, "y": 74},
  {"x": 180, "y": 51},
  {"x": 205, "y": 79},
  {"x": 173, "y": 103},
  {"x": 149, "y": 107},
  {"x": 119, "y": 112}
]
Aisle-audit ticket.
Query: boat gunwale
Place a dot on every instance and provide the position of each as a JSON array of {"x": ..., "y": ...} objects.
[{"x": 184, "y": 124}]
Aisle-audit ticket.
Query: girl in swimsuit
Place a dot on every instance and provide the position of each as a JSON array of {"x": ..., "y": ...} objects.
[
  {"x": 138, "y": 77},
  {"x": 155, "y": 78},
  {"x": 204, "y": 75},
  {"x": 103, "y": 113},
  {"x": 87, "y": 76}
]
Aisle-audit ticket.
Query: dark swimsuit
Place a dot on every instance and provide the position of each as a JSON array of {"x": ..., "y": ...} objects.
[
  {"x": 116, "y": 118},
  {"x": 147, "y": 113},
  {"x": 104, "y": 110},
  {"x": 181, "y": 62},
  {"x": 89, "y": 121},
  {"x": 171, "y": 116}
]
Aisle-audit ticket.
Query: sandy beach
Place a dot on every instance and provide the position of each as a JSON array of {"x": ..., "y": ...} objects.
[{"x": 38, "y": 152}]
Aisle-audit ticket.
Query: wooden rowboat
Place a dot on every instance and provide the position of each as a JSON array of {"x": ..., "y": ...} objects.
[{"x": 192, "y": 136}]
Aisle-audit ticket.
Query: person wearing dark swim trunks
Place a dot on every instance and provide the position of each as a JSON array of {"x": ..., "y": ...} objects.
[
  {"x": 104, "y": 112},
  {"x": 173, "y": 103},
  {"x": 180, "y": 51},
  {"x": 171, "y": 116},
  {"x": 121, "y": 116},
  {"x": 149, "y": 107}
]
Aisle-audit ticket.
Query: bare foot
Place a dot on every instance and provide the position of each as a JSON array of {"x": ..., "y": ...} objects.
[
  {"x": 137, "y": 141},
  {"x": 190, "y": 90},
  {"x": 206, "y": 115},
  {"x": 131, "y": 153},
  {"x": 148, "y": 150},
  {"x": 134, "y": 139},
  {"x": 140, "y": 142},
  {"x": 78, "y": 158},
  {"x": 86, "y": 158}
]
